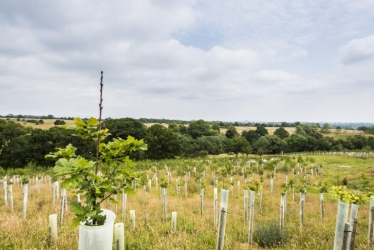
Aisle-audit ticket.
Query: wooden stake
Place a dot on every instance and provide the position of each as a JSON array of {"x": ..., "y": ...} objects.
[
  {"x": 353, "y": 237},
  {"x": 346, "y": 237}
]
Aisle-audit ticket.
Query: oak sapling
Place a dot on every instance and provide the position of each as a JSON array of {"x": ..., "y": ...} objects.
[{"x": 96, "y": 180}]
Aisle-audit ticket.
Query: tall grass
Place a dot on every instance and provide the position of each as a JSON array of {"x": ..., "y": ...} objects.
[{"x": 194, "y": 231}]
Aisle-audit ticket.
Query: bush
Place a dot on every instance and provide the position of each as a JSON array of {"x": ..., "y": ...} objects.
[
  {"x": 59, "y": 122},
  {"x": 268, "y": 235}
]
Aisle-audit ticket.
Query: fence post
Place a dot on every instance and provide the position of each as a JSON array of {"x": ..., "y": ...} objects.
[
  {"x": 346, "y": 237},
  {"x": 352, "y": 246}
]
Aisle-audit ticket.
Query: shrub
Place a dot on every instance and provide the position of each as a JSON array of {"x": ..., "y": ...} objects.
[
  {"x": 59, "y": 122},
  {"x": 268, "y": 235}
]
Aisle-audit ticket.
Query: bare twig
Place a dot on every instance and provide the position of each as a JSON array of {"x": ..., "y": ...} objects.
[{"x": 99, "y": 126}]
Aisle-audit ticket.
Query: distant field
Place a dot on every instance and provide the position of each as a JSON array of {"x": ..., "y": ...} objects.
[
  {"x": 269, "y": 129},
  {"x": 343, "y": 134},
  {"x": 48, "y": 123}
]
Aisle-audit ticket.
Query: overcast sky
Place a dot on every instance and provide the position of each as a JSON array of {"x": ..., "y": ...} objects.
[{"x": 237, "y": 60}]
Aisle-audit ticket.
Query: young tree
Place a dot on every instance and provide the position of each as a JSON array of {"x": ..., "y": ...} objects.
[
  {"x": 124, "y": 127},
  {"x": 162, "y": 143},
  {"x": 200, "y": 128},
  {"x": 261, "y": 130},
  {"x": 237, "y": 145}
]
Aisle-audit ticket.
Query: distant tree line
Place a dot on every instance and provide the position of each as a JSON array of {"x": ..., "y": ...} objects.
[
  {"x": 36, "y": 117},
  {"x": 368, "y": 130},
  {"x": 223, "y": 124},
  {"x": 21, "y": 145}
]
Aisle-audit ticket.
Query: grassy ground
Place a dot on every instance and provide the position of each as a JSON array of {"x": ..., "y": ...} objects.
[{"x": 194, "y": 231}]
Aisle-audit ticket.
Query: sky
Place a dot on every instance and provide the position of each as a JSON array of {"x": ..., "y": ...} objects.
[{"x": 237, "y": 60}]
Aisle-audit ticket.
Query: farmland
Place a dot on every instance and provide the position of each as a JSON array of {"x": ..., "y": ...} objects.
[{"x": 196, "y": 230}]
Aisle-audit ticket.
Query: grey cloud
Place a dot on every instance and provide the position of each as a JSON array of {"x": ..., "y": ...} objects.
[{"x": 158, "y": 63}]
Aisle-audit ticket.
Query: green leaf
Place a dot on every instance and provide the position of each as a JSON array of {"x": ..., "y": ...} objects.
[
  {"x": 63, "y": 167},
  {"x": 113, "y": 201},
  {"x": 83, "y": 164},
  {"x": 79, "y": 122},
  {"x": 92, "y": 122},
  {"x": 77, "y": 208},
  {"x": 76, "y": 221},
  {"x": 94, "y": 176},
  {"x": 90, "y": 213}
]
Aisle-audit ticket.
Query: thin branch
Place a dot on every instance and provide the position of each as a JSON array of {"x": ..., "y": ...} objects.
[
  {"x": 99, "y": 126},
  {"x": 120, "y": 187}
]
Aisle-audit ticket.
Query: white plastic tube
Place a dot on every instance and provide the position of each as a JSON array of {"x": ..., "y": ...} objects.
[
  {"x": 222, "y": 224},
  {"x": 5, "y": 191},
  {"x": 132, "y": 218},
  {"x": 149, "y": 185},
  {"x": 271, "y": 185},
  {"x": 164, "y": 202},
  {"x": 224, "y": 199},
  {"x": 119, "y": 236},
  {"x": 24, "y": 200},
  {"x": 11, "y": 197},
  {"x": 352, "y": 218},
  {"x": 52, "y": 224},
  {"x": 322, "y": 212},
  {"x": 251, "y": 216},
  {"x": 245, "y": 205},
  {"x": 341, "y": 219},
  {"x": 215, "y": 206},
  {"x": 173, "y": 221},
  {"x": 97, "y": 237},
  {"x": 124, "y": 202},
  {"x": 371, "y": 218}
]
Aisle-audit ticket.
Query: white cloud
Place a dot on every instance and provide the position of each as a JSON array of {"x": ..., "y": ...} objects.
[{"x": 357, "y": 50}]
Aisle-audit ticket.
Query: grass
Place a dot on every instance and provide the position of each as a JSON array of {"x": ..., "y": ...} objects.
[{"x": 194, "y": 231}]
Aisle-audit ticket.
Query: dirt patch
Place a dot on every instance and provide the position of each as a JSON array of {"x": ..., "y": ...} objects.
[{"x": 344, "y": 166}]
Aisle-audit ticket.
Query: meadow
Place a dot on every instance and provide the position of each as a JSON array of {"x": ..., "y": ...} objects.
[{"x": 196, "y": 229}]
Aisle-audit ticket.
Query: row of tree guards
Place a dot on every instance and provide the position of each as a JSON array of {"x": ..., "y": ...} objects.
[{"x": 345, "y": 225}]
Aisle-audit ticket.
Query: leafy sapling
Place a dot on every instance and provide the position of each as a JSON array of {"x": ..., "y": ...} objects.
[{"x": 98, "y": 180}]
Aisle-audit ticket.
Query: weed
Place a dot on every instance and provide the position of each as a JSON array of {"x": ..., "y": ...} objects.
[{"x": 269, "y": 234}]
